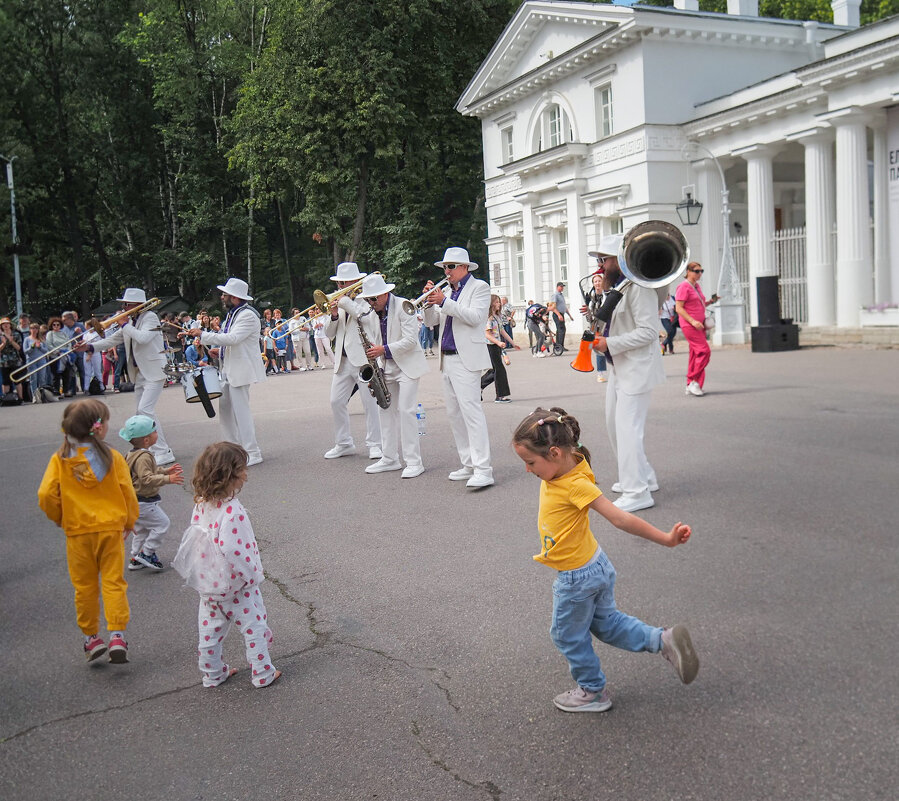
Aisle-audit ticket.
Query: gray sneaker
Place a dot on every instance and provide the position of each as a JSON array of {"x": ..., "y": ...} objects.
[
  {"x": 677, "y": 648},
  {"x": 581, "y": 700}
]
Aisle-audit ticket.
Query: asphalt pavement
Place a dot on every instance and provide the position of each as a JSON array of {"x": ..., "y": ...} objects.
[{"x": 412, "y": 625}]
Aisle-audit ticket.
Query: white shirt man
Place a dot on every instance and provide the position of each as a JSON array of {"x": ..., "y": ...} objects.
[
  {"x": 462, "y": 316},
  {"x": 631, "y": 344},
  {"x": 348, "y": 359},
  {"x": 299, "y": 332},
  {"x": 393, "y": 334},
  {"x": 144, "y": 359},
  {"x": 237, "y": 347}
]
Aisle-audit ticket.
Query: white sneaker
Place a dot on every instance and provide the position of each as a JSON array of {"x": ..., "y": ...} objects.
[
  {"x": 541, "y": 355},
  {"x": 254, "y": 460},
  {"x": 383, "y": 466},
  {"x": 413, "y": 472},
  {"x": 340, "y": 450},
  {"x": 616, "y": 487},
  {"x": 462, "y": 474},
  {"x": 166, "y": 459},
  {"x": 601, "y": 378},
  {"x": 479, "y": 480},
  {"x": 634, "y": 503},
  {"x": 374, "y": 452},
  {"x": 693, "y": 388},
  {"x": 677, "y": 648}
]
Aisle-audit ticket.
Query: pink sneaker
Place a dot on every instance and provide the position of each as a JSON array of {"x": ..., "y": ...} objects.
[
  {"x": 677, "y": 648},
  {"x": 118, "y": 650},
  {"x": 581, "y": 700},
  {"x": 94, "y": 647}
]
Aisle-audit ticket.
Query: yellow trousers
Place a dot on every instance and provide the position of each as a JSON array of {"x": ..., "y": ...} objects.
[{"x": 97, "y": 561}]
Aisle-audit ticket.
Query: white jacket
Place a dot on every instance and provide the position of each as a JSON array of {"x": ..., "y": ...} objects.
[
  {"x": 347, "y": 332},
  {"x": 469, "y": 315},
  {"x": 402, "y": 338},
  {"x": 143, "y": 346},
  {"x": 241, "y": 356},
  {"x": 633, "y": 341}
]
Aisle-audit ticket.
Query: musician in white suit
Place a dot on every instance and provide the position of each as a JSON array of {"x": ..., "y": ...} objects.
[
  {"x": 631, "y": 344},
  {"x": 145, "y": 358},
  {"x": 393, "y": 334},
  {"x": 462, "y": 316},
  {"x": 237, "y": 346},
  {"x": 348, "y": 358}
]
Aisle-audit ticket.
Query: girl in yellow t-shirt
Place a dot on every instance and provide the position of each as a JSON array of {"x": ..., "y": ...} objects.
[
  {"x": 548, "y": 441},
  {"x": 87, "y": 491}
]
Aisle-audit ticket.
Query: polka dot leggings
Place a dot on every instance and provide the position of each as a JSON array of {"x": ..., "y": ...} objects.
[{"x": 245, "y": 610}]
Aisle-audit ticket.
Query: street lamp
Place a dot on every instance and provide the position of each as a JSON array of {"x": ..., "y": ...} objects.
[
  {"x": 15, "y": 236},
  {"x": 689, "y": 210},
  {"x": 730, "y": 329}
]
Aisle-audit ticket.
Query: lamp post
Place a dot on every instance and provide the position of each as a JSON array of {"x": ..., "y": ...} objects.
[
  {"x": 730, "y": 329},
  {"x": 15, "y": 236}
]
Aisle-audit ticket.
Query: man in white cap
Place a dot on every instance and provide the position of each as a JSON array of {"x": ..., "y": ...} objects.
[
  {"x": 237, "y": 347},
  {"x": 348, "y": 359},
  {"x": 144, "y": 358},
  {"x": 630, "y": 342},
  {"x": 393, "y": 334},
  {"x": 462, "y": 316}
]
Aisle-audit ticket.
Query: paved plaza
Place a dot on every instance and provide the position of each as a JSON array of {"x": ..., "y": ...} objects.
[{"x": 412, "y": 625}]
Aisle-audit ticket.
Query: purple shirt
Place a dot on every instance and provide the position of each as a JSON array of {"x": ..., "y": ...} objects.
[
  {"x": 448, "y": 341},
  {"x": 383, "y": 320}
]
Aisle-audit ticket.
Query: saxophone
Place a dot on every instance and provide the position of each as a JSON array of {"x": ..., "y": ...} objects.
[{"x": 372, "y": 373}]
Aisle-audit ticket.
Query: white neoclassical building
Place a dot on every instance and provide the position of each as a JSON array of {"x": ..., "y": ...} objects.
[{"x": 596, "y": 117}]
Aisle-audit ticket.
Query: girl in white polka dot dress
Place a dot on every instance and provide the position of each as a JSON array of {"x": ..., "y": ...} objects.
[{"x": 219, "y": 474}]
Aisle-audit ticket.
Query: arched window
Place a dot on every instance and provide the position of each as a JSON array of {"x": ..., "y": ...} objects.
[{"x": 553, "y": 129}]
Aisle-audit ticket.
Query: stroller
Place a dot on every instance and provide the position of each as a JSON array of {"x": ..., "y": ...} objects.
[{"x": 550, "y": 345}]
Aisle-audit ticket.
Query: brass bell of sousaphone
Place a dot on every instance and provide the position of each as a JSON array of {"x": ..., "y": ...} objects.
[{"x": 652, "y": 255}]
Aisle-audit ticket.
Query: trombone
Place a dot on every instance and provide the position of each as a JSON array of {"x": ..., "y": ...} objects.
[
  {"x": 94, "y": 326},
  {"x": 412, "y": 306},
  {"x": 322, "y": 304}
]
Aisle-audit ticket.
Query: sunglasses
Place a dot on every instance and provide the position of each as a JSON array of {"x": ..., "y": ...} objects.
[{"x": 697, "y": 271}]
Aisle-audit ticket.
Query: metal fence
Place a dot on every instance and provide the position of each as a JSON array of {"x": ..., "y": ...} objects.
[{"x": 790, "y": 263}]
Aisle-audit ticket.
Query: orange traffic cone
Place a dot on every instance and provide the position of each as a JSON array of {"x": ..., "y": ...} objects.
[{"x": 584, "y": 361}]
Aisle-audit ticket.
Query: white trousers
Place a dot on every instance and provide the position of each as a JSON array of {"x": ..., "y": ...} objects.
[
  {"x": 341, "y": 388},
  {"x": 303, "y": 352},
  {"x": 93, "y": 367},
  {"x": 237, "y": 420},
  {"x": 147, "y": 393},
  {"x": 323, "y": 346},
  {"x": 246, "y": 611},
  {"x": 462, "y": 392},
  {"x": 399, "y": 426},
  {"x": 625, "y": 422},
  {"x": 152, "y": 524}
]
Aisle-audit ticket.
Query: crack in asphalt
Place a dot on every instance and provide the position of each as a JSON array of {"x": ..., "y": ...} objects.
[{"x": 485, "y": 786}]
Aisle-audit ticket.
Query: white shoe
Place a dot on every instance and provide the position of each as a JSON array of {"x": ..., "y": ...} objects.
[
  {"x": 462, "y": 474},
  {"x": 634, "y": 503},
  {"x": 413, "y": 472},
  {"x": 693, "y": 388},
  {"x": 541, "y": 355},
  {"x": 340, "y": 450},
  {"x": 374, "y": 452},
  {"x": 168, "y": 458},
  {"x": 479, "y": 480},
  {"x": 600, "y": 378},
  {"x": 383, "y": 466},
  {"x": 254, "y": 460},
  {"x": 616, "y": 487}
]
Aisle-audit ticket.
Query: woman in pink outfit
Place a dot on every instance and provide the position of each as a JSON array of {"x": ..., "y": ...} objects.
[{"x": 690, "y": 304}]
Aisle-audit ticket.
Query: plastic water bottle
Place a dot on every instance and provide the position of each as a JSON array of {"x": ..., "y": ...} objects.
[{"x": 422, "y": 420}]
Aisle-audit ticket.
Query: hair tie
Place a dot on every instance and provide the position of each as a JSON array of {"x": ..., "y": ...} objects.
[{"x": 96, "y": 425}]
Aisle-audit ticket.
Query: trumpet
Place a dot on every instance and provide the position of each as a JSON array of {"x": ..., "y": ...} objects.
[
  {"x": 412, "y": 306},
  {"x": 95, "y": 326}
]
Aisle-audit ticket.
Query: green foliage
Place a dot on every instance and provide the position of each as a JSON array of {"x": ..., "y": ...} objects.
[{"x": 817, "y": 10}]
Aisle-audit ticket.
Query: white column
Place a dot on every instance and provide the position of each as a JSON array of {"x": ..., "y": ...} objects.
[
  {"x": 577, "y": 247},
  {"x": 883, "y": 288},
  {"x": 532, "y": 256},
  {"x": 708, "y": 189},
  {"x": 760, "y": 218},
  {"x": 544, "y": 264},
  {"x": 819, "y": 220},
  {"x": 855, "y": 274}
]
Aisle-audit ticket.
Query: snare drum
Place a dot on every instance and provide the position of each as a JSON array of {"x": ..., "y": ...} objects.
[{"x": 210, "y": 380}]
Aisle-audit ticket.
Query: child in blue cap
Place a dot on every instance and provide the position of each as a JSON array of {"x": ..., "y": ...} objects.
[{"x": 147, "y": 477}]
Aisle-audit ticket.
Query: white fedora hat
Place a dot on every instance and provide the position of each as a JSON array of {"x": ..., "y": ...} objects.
[
  {"x": 608, "y": 246},
  {"x": 236, "y": 288},
  {"x": 133, "y": 295},
  {"x": 457, "y": 256},
  {"x": 374, "y": 285},
  {"x": 348, "y": 271}
]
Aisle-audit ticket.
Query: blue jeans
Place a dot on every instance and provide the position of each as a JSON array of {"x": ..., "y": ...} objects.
[{"x": 584, "y": 605}]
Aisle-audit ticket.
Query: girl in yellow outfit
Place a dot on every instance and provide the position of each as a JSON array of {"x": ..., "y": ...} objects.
[
  {"x": 548, "y": 441},
  {"x": 87, "y": 491}
]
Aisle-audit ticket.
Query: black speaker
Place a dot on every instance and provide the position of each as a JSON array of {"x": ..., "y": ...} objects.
[
  {"x": 768, "y": 292},
  {"x": 772, "y": 338}
]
